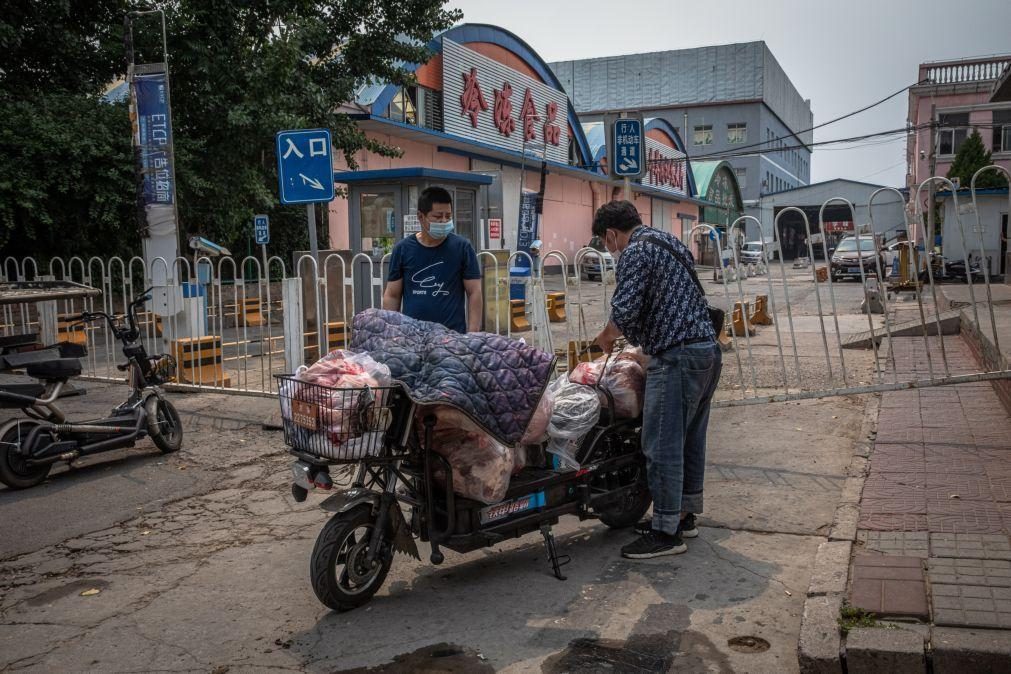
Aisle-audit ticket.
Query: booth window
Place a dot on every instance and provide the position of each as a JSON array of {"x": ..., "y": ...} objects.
[
  {"x": 737, "y": 133},
  {"x": 953, "y": 131}
]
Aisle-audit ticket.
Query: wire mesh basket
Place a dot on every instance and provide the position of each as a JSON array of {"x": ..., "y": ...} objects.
[{"x": 337, "y": 424}]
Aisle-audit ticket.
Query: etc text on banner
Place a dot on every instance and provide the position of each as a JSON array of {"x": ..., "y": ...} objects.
[{"x": 153, "y": 137}]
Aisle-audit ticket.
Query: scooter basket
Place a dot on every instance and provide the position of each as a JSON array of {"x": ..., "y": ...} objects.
[{"x": 342, "y": 425}]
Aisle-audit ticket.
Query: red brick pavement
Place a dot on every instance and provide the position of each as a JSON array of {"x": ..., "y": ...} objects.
[
  {"x": 942, "y": 456},
  {"x": 941, "y": 465}
]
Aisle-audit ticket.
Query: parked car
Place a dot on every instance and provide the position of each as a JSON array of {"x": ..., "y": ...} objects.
[
  {"x": 846, "y": 258},
  {"x": 589, "y": 265},
  {"x": 751, "y": 253}
]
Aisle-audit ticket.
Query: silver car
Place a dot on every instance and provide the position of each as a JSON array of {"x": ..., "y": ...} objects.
[{"x": 589, "y": 265}]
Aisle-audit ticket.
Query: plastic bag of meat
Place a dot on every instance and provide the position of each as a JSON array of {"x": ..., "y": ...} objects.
[
  {"x": 576, "y": 409},
  {"x": 633, "y": 353},
  {"x": 368, "y": 365},
  {"x": 623, "y": 377},
  {"x": 626, "y": 381},
  {"x": 481, "y": 467},
  {"x": 339, "y": 362},
  {"x": 520, "y": 460},
  {"x": 339, "y": 379},
  {"x": 537, "y": 429},
  {"x": 587, "y": 373},
  {"x": 565, "y": 449}
]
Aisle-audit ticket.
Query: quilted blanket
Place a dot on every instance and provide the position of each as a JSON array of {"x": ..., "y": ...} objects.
[{"x": 496, "y": 381}]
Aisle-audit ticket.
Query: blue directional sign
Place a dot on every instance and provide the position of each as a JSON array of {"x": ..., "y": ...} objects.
[
  {"x": 304, "y": 166},
  {"x": 261, "y": 227},
  {"x": 629, "y": 159}
]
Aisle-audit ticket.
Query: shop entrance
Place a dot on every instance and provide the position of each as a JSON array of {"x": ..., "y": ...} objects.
[{"x": 383, "y": 209}]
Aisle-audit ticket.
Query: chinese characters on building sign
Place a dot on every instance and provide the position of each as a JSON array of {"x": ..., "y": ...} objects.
[
  {"x": 472, "y": 100},
  {"x": 504, "y": 110},
  {"x": 665, "y": 168},
  {"x": 521, "y": 112},
  {"x": 665, "y": 171},
  {"x": 153, "y": 135}
]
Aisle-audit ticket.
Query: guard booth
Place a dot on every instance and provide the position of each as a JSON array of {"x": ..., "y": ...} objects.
[{"x": 382, "y": 209}]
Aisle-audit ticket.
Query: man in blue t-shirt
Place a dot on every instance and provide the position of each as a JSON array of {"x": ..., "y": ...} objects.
[{"x": 432, "y": 272}]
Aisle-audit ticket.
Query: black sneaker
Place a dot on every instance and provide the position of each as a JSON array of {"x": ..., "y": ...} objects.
[
  {"x": 654, "y": 544},
  {"x": 687, "y": 528}
]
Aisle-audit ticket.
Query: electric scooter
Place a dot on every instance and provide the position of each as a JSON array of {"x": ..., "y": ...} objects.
[{"x": 30, "y": 447}]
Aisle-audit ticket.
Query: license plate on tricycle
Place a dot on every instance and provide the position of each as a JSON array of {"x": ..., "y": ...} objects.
[{"x": 507, "y": 508}]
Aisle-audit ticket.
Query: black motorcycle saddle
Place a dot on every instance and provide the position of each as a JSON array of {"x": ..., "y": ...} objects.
[{"x": 52, "y": 370}]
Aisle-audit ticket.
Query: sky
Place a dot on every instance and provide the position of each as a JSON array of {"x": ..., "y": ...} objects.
[{"x": 841, "y": 55}]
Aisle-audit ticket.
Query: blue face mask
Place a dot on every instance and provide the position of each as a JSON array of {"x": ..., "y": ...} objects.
[{"x": 440, "y": 230}]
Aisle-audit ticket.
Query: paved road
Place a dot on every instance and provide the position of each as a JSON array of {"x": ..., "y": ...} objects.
[
  {"x": 106, "y": 489},
  {"x": 219, "y": 578},
  {"x": 200, "y": 560}
]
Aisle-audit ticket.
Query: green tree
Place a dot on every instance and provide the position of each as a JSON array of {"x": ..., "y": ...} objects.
[
  {"x": 971, "y": 157},
  {"x": 240, "y": 70},
  {"x": 66, "y": 180}
]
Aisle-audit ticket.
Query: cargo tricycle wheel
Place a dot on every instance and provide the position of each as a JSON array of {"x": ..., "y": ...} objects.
[
  {"x": 341, "y": 575},
  {"x": 631, "y": 507}
]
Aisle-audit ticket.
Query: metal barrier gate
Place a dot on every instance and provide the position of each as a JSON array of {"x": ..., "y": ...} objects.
[{"x": 232, "y": 324}]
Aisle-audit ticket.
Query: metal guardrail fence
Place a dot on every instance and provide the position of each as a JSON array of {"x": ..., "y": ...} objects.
[{"x": 232, "y": 324}]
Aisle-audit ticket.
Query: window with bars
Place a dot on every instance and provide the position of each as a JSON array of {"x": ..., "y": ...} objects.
[
  {"x": 1002, "y": 130},
  {"x": 953, "y": 129}
]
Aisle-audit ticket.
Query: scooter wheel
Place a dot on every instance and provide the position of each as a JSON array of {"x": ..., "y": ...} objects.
[
  {"x": 339, "y": 570},
  {"x": 163, "y": 424},
  {"x": 14, "y": 471}
]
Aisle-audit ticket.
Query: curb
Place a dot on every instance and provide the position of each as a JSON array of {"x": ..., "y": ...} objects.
[{"x": 820, "y": 647}]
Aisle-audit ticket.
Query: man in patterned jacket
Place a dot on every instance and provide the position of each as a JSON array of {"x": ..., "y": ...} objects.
[{"x": 658, "y": 304}]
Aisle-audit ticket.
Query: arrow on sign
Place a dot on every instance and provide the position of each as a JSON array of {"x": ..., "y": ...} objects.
[
  {"x": 629, "y": 164},
  {"x": 311, "y": 182}
]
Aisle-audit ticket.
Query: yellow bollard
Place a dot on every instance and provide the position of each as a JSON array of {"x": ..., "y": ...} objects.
[
  {"x": 518, "y": 316},
  {"x": 761, "y": 314},
  {"x": 198, "y": 361}
]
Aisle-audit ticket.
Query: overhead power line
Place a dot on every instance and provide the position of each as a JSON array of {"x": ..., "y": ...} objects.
[{"x": 796, "y": 134}]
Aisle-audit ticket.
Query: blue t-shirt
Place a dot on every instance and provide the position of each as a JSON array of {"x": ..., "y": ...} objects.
[{"x": 433, "y": 279}]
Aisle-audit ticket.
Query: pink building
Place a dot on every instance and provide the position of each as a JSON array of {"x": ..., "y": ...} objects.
[
  {"x": 955, "y": 98},
  {"x": 484, "y": 117}
]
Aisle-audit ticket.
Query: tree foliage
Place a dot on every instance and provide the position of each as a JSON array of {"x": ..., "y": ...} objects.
[
  {"x": 971, "y": 157},
  {"x": 240, "y": 70}
]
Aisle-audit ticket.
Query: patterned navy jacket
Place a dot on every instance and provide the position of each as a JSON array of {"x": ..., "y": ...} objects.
[{"x": 656, "y": 304}]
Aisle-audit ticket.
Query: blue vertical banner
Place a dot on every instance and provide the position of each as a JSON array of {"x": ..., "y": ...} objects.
[
  {"x": 153, "y": 137},
  {"x": 527, "y": 231}
]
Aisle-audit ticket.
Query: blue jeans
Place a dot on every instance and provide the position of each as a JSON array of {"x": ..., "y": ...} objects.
[{"x": 680, "y": 383}]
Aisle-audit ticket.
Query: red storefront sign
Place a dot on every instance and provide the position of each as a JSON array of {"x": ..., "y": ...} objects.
[
  {"x": 494, "y": 229},
  {"x": 837, "y": 226},
  {"x": 519, "y": 102}
]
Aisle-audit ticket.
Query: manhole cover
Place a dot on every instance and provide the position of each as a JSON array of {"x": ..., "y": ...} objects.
[{"x": 748, "y": 644}]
